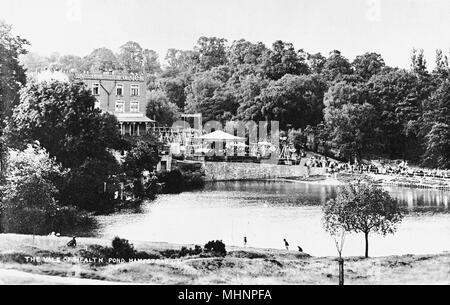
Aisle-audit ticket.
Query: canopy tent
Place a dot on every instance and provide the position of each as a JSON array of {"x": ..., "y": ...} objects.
[{"x": 219, "y": 135}]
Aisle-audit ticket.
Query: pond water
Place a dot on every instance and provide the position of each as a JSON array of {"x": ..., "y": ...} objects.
[{"x": 268, "y": 212}]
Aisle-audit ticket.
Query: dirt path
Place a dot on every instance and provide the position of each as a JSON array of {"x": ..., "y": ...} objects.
[{"x": 15, "y": 277}]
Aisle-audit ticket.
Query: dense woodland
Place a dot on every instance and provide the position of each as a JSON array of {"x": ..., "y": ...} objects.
[{"x": 364, "y": 107}]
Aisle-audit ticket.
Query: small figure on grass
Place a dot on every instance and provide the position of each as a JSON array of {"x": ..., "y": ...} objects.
[{"x": 72, "y": 243}]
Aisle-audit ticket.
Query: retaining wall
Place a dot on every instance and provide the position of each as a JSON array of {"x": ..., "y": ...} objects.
[{"x": 223, "y": 171}]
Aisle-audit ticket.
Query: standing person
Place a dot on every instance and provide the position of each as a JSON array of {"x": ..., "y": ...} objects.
[
  {"x": 245, "y": 241},
  {"x": 286, "y": 244}
]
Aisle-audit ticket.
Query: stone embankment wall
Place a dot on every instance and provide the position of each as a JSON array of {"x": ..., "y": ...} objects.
[{"x": 223, "y": 171}]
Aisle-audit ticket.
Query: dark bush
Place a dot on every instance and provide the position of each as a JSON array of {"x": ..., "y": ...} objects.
[
  {"x": 177, "y": 181},
  {"x": 216, "y": 247},
  {"x": 122, "y": 248},
  {"x": 185, "y": 251},
  {"x": 172, "y": 181}
]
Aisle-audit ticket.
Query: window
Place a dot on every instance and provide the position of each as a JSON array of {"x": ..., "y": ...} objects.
[
  {"x": 134, "y": 106},
  {"x": 96, "y": 89},
  {"x": 119, "y": 90},
  {"x": 134, "y": 90},
  {"x": 120, "y": 106}
]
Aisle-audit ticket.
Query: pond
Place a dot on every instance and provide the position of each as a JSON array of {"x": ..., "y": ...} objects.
[{"x": 267, "y": 212}]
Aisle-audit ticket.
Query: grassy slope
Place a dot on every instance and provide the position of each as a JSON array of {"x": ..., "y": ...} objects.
[{"x": 240, "y": 266}]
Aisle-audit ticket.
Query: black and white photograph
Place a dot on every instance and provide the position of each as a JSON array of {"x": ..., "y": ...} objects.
[{"x": 224, "y": 149}]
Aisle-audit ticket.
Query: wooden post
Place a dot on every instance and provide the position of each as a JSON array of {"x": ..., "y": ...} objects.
[{"x": 341, "y": 271}]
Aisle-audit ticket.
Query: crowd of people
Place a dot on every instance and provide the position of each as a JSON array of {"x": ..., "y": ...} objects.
[{"x": 400, "y": 168}]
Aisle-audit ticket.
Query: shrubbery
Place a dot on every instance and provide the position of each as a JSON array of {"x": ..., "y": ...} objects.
[
  {"x": 122, "y": 250},
  {"x": 177, "y": 181},
  {"x": 29, "y": 197},
  {"x": 216, "y": 248}
]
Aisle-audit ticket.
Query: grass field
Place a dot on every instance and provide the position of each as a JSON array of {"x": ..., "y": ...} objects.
[{"x": 239, "y": 266}]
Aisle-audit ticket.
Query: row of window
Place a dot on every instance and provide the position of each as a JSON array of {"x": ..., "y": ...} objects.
[
  {"x": 120, "y": 106},
  {"x": 134, "y": 90}
]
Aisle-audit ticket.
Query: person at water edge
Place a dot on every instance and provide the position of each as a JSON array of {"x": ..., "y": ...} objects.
[
  {"x": 245, "y": 241},
  {"x": 286, "y": 244}
]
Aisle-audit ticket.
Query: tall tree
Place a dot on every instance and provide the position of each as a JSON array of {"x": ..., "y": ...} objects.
[
  {"x": 397, "y": 98},
  {"x": 442, "y": 69},
  {"x": 350, "y": 120},
  {"x": 100, "y": 60},
  {"x": 282, "y": 59},
  {"x": 12, "y": 78},
  {"x": 161, "y": 109},
  {"x": 362, "y": 208},
  {"x": 294, "y": 100},
  {"x": 131, "y": 57},
  {"x": 336, "y": 66},
  {"x": 418, "y": 62},
  {"x": 210, "y": 95},
  {"x": 212, "y": 52},
  {"x": 245, "y": 52},
  {"x": 368, "y": 65},
  {"x": 150, "y": 62},
  {"x": 437, "y": 127},
  {"x": 181, "y": 61},
  {"x": 316, "y": 62},
  {"x": 62, "y": 117},
  {"x": 12, "y": 73}
]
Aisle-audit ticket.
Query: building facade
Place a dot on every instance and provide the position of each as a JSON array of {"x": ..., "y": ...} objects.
[{"x": 123, "y": 95}]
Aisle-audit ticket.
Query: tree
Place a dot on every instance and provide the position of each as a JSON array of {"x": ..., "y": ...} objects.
[
  {"x": 418, "y": 62},
  {"x": 143, "y": 157},
  {"x": 362, "y": 208},
  {"x": 12, "y": 73},
  {"x": 211, "y": 52},
  {"x": 295, "y": 100},
  {"x": 161, "y": 109},
  {"x": 181, "y": 61},
  {"x": 210, "y": 95},
  {"x": 442, "y": 69},
  {"x": 316, "y": 62},
  {"x": 297, "y": 138},
  {"x": 84, "y": 186},
  {"x": 350, "y": 120},
  {"x": 62, "y": 117},
  {"x": 282, "y": 59},
  {"x": 368, "y": 65},
  {"x": 336, "y": 66},
  {"x": 248, "y": 96},
  {"x": 174, "y": 89},
  {"x": 150, "y": 62},
  {"x": 100, "y": 60},
  {"x": 397, "y": 96},
  {"x": 12, "y": 78},
  {"x": 244, "y": 52},
  {"x": 131, "y": 57},
  {"x": 29, "y": 197},
  {"x": 436, "y": 125}
]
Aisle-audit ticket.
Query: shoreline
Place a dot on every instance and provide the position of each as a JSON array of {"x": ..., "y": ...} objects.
[
  {"x": 239, "y": 266},
  {"x": 381, "y": 180}
]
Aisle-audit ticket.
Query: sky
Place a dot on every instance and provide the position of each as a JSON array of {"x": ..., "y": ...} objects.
[{"x": 389, "y": 27}]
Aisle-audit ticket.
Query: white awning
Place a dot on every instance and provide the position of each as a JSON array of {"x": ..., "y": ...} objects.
[
  {"x": 133, "y": 118},
  {"x": 219, "y": 135}
]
